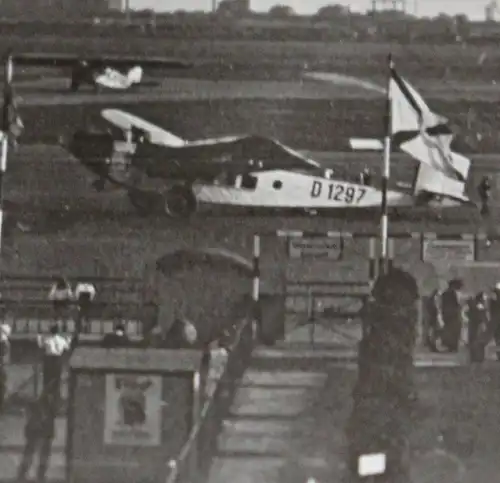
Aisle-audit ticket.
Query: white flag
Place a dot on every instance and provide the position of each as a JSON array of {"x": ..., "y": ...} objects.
[{"x": 421, "y": 133}]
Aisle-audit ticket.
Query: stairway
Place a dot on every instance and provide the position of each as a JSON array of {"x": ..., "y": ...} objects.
[{"x": 258, "y": 435}]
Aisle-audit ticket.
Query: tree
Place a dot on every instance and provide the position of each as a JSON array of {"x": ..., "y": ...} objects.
[
  {"x": 332, "y": 12},
  {"x": 281, "y": 11},
  {"x": 382, "y": 399},
  {"x": 233, "y": 7}
]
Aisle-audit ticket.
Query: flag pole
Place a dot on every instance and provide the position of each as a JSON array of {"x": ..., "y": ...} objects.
[
  {"x": 386, "y": 172},
  {"x": 7, "y": 101}
]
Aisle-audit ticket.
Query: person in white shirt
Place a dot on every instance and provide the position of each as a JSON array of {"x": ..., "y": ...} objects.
[
  {"x": 61, "y": 297},
  {"x": 53, "y": 347},
  {"x": 5, "y": 333}
]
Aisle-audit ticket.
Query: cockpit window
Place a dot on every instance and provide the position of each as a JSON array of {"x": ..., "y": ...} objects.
[{"x": 248, "y": 182}]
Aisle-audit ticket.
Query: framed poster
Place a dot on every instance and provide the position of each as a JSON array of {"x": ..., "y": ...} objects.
[
  {"x": 133, "y": 410},
  {"x": 436, "y": 250},
  {"x": 324, "y": 247}
]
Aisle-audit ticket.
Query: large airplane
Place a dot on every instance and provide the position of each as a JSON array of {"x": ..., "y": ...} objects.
[
  {"x": 106, "y": 71},
  {"x": 163, "y": 172}
]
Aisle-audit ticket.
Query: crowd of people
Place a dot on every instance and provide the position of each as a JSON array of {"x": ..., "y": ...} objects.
[{"x": 449, "y": 312}]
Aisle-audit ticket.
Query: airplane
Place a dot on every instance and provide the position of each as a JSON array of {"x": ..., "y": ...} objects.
[
  {"x": 163, "y": 172},
  {"x": 111, "y": 72}
]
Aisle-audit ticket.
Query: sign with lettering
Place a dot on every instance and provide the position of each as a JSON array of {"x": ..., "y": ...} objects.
[
  {"x": 436, "y": 250},
  {"x": 133, "y": 410},
  {"x": 326, "y": 247},
  {"x": 338, "y": 192}
]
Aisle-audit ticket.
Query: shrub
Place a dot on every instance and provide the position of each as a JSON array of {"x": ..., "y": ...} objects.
[{"x": 382, "y": 398}]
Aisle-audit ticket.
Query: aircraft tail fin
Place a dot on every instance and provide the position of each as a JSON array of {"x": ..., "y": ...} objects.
[
  {"x": 430, "y": 181},
  {"x": 134, "y": 75}
]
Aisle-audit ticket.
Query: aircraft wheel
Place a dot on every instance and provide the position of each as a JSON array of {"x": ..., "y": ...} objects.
[
  {"x": 180, "y": 201},
  {"x": 144, "y": 203}
]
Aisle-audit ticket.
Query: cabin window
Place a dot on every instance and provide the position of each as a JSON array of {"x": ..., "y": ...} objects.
[
  {"x": 226, "y": 179},
  {"x": 248, "y": 182},
  {"x": 277, "y": 185}
]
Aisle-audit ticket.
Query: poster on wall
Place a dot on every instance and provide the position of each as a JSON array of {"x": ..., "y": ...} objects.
[
  {"x": 436, "y": 250},
  {"x": 133, "y": 410},
  {"x": 330, "y": 247}
]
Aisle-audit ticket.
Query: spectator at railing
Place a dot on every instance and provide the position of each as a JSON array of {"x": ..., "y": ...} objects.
[
  {"x": 84, "y": 295},
  {"x": 181, "y": 335},
  {"x": 155, "y": 337},
  {"x": 54, "y": 347},
  {"x": 117, "y": 338},
  {"x": 61, "y": 297}
]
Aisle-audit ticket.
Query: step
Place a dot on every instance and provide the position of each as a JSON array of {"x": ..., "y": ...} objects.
[{"x": 256, "y": 469}]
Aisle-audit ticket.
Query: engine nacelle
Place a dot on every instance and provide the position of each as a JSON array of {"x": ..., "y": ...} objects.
[{"x": 180, "y": 201}]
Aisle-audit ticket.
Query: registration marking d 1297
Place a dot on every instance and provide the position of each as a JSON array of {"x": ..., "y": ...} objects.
[{"x": 338, "y": 192}]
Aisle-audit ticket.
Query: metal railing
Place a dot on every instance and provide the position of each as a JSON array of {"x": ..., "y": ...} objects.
[
  {"x": 108, "y": 289},
  {"x": 195, "y": 457},
  {"x": 30, "y": 317}
]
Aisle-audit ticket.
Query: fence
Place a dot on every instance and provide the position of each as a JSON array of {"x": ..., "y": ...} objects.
[
  {"x": 112, "y": 290},
  {"x": 195, "y": 458},
  {"x": 33, "y": 317}
]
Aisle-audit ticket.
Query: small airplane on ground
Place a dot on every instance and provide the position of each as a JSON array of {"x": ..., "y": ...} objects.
[
  {"x": 163, "y": 172},
  {"x": 112, "y": 72}
]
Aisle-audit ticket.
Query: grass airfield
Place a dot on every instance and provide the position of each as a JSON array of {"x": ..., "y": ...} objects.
[{"x": 51, "y": 192}]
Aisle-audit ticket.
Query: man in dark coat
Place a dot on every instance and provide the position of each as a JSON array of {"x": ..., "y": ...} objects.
[
  {"x": 117, "y": 338},
  {"x": 39, "y": 433},
  {"x": 495, "y": 317},
  {"x": 479, "y": 322},
  {"x": 452, "y": 315},
  {"x": 433, "y": 321},
  {"x": 484, "y": 192}
]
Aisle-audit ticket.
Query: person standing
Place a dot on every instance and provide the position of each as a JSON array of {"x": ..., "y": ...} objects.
[
  {"x": 495, "y": 317},
  {"x": 5, "y": 332},
  {"x": 434, "y": 321},
  {"x": 479, "y": 322},
  {"x": 61, "y": 297},
  {"x": 39, "y": 433},
  {"x": 53, "y": 347},
  {"x": 484, "y": 192},
  {"x": 365, "y": 177},
  {"x": 451, "y": 308},
  {"x": 84, "y": 295}
]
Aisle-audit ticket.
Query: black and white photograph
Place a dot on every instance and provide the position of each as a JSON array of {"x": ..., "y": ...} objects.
[{"x": 249, "y": 241}]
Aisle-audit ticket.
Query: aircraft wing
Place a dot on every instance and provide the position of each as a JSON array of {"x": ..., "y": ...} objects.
[
  {"x": 68, "y": 60},
  {"x": 215, "y": 155},
  {"x": 249, "y": 150}
]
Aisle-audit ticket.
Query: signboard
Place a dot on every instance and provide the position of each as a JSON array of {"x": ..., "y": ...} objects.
[
  {"x": 325, "y": 247},
  {"x": 133, "y": 410},
  {"x": 436, "y": 250}
]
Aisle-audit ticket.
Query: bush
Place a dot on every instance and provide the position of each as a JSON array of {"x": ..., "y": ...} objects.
[{"x": 382, "y": 398}]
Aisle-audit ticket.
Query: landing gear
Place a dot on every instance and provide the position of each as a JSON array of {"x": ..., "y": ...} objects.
[
  {"x": 180, "y": 201},
  {"x": 145, "y": 203},
  {"x": 177, "y": 201}
]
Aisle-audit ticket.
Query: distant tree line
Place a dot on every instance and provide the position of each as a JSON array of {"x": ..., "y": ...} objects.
[{"x": 234, "y": 20}]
